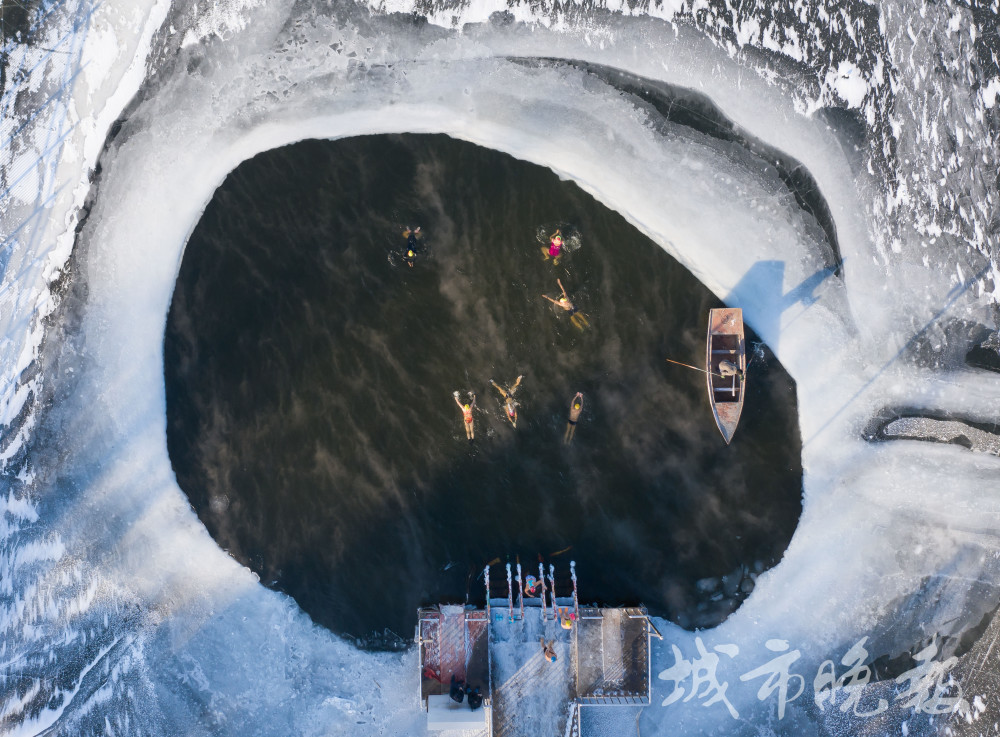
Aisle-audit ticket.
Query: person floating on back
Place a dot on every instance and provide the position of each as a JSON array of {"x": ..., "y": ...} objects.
[
  {"x": 575, "y": 408},
  {"x": 509, "y": 405},
  {"x": 467, "y": 414},
  {"x": 575, "y": 316},
  {"x": 554, "y": 249}
]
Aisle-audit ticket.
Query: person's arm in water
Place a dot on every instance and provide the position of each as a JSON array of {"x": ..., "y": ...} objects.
[
  {"x": 458, "y": 402},
  {"x": 553, "y": 301},
  {"x": 498, "y": 388},
  {"x": 516, "y": 384},
  {"x": 563, "y": 289}
]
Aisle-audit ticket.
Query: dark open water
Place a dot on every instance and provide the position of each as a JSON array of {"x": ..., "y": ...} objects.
[{"x": 309, "y": 392}]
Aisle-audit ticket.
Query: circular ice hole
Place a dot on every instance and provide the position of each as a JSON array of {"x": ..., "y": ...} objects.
[{"x": 309, "y": 376}]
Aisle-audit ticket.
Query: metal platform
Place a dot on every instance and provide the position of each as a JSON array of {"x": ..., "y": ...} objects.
[
  {"x": 602, "y": 659},
  {"x": 612, "y": 664},
  {"x": 454, "y": 641}
]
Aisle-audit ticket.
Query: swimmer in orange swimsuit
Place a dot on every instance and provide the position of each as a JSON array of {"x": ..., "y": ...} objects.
[
  {"x": 575, "y": 408},
  {"x": 576, "y": 317},
  {"x": 554, "y": 249},
  {"x": 509, "y": 405},
  {"x": 467, "y": 414}
]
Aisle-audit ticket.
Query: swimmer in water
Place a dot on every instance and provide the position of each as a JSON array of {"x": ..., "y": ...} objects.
[
  {"x": 575, "y": 408},
  {"x": 554, "y": 249},
  {"x": 576, "y": 317},
  {"x": 509, "y": 405},
  {"x": 467, "y": 414},
  {"x": 413, "y": 245}
]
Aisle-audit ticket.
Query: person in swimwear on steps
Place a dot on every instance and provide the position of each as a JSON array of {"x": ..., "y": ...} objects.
[
  {"x": 548, "y": 650},
  {"x": 575, "y": 408},
  {"x": 576, "y": 317},
  {"x": 566, "y": 618},
  {"x": 467, "y": 414},
  {"x": 531, "y": 586},
  {"x": 509, "y": 405},
  {"x": 554, "y": 249}
]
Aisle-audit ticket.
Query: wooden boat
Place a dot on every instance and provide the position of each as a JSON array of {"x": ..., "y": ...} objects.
[{"x": 726, "y": 343}]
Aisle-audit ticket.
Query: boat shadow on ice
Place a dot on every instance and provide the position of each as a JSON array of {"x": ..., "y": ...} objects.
[{"x": 760, "y": 292}]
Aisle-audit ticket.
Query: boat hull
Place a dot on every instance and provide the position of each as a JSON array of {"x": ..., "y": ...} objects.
[{"x": 726, "y": 343}]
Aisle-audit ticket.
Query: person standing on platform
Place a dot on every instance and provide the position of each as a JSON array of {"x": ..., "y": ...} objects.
[
  {"x": 475, "y": 698},
  {"x": 457, "y": 689}
]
